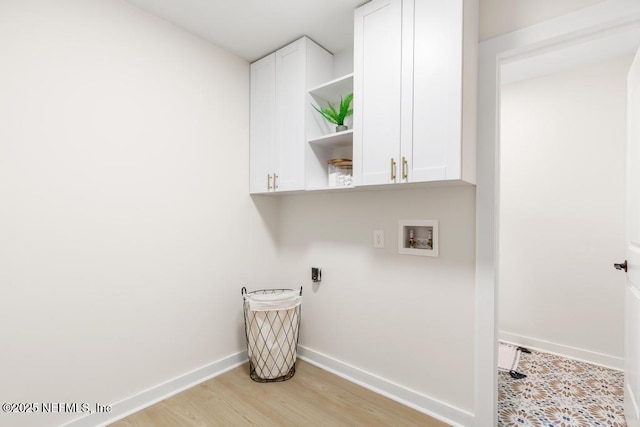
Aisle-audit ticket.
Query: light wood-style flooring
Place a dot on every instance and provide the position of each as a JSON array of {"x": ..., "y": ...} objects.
[{"x": 313, "y": 397}]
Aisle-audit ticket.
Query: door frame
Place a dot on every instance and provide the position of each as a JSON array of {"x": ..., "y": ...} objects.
[{"x": 583, "y": 25}]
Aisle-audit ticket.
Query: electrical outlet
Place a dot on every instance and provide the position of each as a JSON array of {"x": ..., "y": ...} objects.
[
  {"x": 316, "y": 274},
  {"x": 378, "y": 238}
]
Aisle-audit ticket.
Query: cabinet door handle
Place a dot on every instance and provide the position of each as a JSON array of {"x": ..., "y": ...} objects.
[
  {"x": 393, "y": 169},
  {"x": 269, "y": 182},
  {"x": 275, "y": 181},
  {"x": 404, "y": 167}
]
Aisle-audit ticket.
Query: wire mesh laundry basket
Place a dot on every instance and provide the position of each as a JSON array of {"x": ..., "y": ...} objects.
[{"x": 272, "y": 326}]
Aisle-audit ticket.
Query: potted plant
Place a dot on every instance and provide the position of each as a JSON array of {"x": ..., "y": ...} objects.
[{"x": 337, "y": 116}]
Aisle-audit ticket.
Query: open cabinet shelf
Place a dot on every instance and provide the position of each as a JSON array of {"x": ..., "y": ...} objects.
[
  {"x": 333, "y": 90},
  {"x": 323, "y": 143},
  {"x": 338, "y": 139}
]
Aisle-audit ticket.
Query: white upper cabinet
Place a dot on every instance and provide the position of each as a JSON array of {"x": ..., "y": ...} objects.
[
  {"x": 279, "y": 84},
  {"x": 415, "y": 91},
  {"x": 414, "y": 104}
]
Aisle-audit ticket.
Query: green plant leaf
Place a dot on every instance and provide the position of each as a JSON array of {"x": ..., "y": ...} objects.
[
  {"x": 329, "y": 113},
  {"x": 344, "y": 106},
  {"x": 337, "y": 117}
]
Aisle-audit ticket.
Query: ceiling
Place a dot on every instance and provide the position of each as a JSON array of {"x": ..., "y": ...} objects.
[{"x": 253, "y": 28}]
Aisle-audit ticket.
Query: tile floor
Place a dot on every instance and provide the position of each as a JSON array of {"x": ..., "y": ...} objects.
[{"x": 560, "y": 392}]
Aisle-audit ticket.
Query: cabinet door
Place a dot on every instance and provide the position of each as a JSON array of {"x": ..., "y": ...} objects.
[
  {"x": 290, "y": 116},
  {"x": 436, "y": 56},
  {"x": 262, "y": 130},
  {"x": 377, "y": 91}
]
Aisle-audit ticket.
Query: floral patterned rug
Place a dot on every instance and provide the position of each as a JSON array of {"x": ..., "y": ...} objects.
[{"x": 559, "y": 392}]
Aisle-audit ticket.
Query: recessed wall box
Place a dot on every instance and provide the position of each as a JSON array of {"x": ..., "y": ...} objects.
[{"x": 418, "y": 237}]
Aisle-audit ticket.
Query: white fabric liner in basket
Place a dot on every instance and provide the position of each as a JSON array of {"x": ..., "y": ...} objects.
[
  {"x": 272, "y": 331},
  {"x": 277, "y": 301}
]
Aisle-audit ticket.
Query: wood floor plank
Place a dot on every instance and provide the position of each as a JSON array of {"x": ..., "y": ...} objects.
[{"x": 313, "y": 397}]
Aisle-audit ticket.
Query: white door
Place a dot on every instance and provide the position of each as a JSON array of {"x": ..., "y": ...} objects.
[
  {"x": 435, "y": 49},
  {"x": 632, "y": 315},
  {"x": 290, "y": 116},
  {"x": 262, "y": 130},
  {"x": 377, "y": 90}
]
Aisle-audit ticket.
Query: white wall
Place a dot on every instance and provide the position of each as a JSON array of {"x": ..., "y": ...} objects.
[
  {"x": 342, "y": 62},
  {"x": 126, "y": 228},
  {"x": 406, "y": 319},
  {"x": 561, "y": 211}
]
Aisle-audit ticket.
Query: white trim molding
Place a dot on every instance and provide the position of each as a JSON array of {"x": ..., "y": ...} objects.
[
  {"x": 411, "y": 398},
  {"x": 583, "y": 25},
  {"x": 569, "y": 352},
  {"x": 160, "y": 392}
]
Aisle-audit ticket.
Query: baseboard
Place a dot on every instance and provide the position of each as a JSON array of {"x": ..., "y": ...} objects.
[
  {"x": 569, "y": 352},
  {"x": 411, "y": 398},
  {"x": 160, "y": 392}
]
